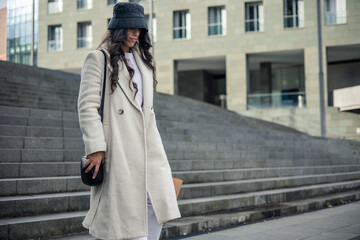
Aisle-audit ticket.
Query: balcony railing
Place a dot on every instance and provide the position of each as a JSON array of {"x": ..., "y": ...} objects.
[
  {"x": 335, "y": 17},
  {"x": 84, "y": 4},
  {"x": 253, "y": 26},
  {"x": 54, "y": 45},
  {"x": 293, "y": 21},
  {"x": 84, "y": 42},
  {"x": 276, "y": 100}
]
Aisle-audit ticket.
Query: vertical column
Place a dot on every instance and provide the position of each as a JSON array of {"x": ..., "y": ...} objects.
[
  {"x": 165, "y": 73},
  {"x": 311, "y": 69},
  {"x": 236, "y": 81}
]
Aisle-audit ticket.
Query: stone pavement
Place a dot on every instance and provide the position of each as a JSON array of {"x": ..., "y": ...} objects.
[{"x": 336, "y": 223}]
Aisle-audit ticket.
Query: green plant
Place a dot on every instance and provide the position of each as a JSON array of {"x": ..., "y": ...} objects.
[{"x": 328, "y": 204}]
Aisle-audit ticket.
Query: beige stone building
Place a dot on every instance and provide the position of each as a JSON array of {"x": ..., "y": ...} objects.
[{"x": 260, "y": 56}]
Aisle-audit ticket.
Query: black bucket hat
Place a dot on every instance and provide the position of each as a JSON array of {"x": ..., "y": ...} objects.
[{"x": 127, "y": 15}]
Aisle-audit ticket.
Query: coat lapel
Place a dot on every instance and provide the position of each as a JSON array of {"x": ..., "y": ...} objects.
[{"x": 124, "y": 80}]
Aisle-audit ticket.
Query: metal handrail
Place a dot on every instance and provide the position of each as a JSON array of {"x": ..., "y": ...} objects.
[{"x": 275, "y": 94}]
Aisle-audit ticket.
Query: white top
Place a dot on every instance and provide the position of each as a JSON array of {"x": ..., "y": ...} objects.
[{"x": 137, "y": 78}]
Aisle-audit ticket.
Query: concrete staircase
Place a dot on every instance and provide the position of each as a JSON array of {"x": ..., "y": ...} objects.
[{"x": 228, "y": 163}]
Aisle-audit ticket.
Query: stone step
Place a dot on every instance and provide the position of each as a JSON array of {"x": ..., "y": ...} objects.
[
  {"x": 182, "y": 150},
  {"x": 40, "y": 155},
  {"x": 174, "y": 140},
  {"x": 202, "y": 190},
  {"x": 198, "y": 206},
  {"x": 64, "y": 105},
  {"x": 181, "y": 228},
  {"x": 57, "y": 224},
  {"x": 206, "y": 176},
  {"x": 29, "y": 205},
  {"x": 177, "y": 160},
  {"x": 219, "y": 164},
  {"x": 186, "y": 143},
  {"x": 256, "y": 155},
  {"x": 43, "y": 226},
  {"x": 28, "y": 93},
  {"x": 53, "y": 169},
  {"x": 39, "y": 169},
  {"x": 186, "y": 128},
  {"x": 29, "y": 131},
  {"x": 39, "y": 185},
  {"x": 10, "y": 142},
  {"x": 40, "y": 122},
  {"x": 37, "y": 113},
  {"x": 23, "y": 205}
]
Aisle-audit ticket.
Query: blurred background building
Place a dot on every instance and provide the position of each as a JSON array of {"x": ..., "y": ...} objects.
[
  {"x": 22, "y": 31},
  {"x": 258, "y": 58},
  {"x": 3, "y": 30}
]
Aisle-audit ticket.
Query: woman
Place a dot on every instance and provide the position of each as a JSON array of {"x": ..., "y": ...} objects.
[{"x": 137, "y": 194}]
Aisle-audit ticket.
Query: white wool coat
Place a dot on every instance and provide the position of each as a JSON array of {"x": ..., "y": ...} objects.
[{"x": 135, "y": 159}]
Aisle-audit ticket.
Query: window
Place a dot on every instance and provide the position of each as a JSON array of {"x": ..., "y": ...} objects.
[
  {"x": 84, "y": 35},
  {"x": 293, "y": 13},
  {"x": 111, "y": 2},
  {"x": 217, "y": 21},
  {"x": 181, "y": 24},
  {"x": 254, "y": 17},
  {"x": 84, "y": 4},
  {"x": 335, "y": 11},
  {"x": 55, "y": 6},
  {"x": 54, "y": 38}
]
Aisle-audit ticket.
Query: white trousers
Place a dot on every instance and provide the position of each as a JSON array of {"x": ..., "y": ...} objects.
[{"x": 154, "y": 228}]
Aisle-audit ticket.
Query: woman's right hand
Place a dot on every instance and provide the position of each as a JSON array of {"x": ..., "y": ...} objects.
[{"x": 94, "y": 160}]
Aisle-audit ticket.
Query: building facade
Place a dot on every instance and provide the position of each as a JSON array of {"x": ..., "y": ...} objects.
[{"x": 258, "y": 57}]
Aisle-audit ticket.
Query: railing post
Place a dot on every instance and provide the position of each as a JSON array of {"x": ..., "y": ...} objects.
[
  {"x": 321, "y": 74},
  {"x": 223, "y": 100}
]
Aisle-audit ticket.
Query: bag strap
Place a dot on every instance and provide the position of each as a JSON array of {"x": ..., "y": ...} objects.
[{"x": 103, "y": 91}]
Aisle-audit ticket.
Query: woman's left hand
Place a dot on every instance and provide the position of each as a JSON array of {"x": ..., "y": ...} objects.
[{"x": 94, "y": 160}]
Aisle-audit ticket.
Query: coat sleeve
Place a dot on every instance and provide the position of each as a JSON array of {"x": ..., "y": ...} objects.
[{"x": 89, "y": 101}]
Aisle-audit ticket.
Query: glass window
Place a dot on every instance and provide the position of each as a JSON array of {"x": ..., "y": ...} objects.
[
  {"x": 335, "y": 11},
  {"x": 254, "y": 17},
  {"x": 111, "y": 2},
  {"x": 181, "y": 24},
  {"x": 293, "y": 13},
  {"x": 216, "y": 21},
  {"x": 84, "y": 4},
  {"x": 84, "y": 35},
  {"x": 55, "y": 38},
  {"x": 55, "y": 6}
]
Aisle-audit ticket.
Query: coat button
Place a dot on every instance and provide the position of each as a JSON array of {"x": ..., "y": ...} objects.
[{"x": 120, "y": 111}]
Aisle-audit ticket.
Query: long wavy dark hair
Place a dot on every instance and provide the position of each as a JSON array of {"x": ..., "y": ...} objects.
[{"x": 114, "y": 38}]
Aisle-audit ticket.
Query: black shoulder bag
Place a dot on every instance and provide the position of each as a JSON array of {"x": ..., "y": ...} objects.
[{"x": 87, "y": 177}]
